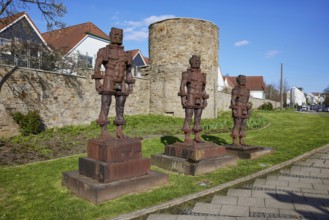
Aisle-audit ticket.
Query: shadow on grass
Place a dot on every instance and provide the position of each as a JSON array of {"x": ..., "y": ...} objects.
[
  {"x": 214, "y": 139},
  {"x": 165, "y": 140}
]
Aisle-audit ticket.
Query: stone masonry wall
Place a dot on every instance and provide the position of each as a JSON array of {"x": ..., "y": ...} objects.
[
  {"x": 224, "y": 102},
  {"x": 60, "y": 99},
  {"x": 71, "y": 100},
  {"x": 172, "y": 42}
]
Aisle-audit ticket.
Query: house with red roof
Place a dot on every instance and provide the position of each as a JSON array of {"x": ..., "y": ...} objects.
[
  {"x": 139, "y": 61},
  {"x": 220, "y": 82},
  {"x": 80, "y": 42},
  {"x": 19, "y": 28},
  {"x": 255, "y": 84}
]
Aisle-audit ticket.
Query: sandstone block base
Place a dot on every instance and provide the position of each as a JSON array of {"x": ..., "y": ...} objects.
[
  {"x": 114, "y": 149},
  {"x": 109, "y": 172},
  {"x": 248, "y": 152},
  {"x": 183, "y": 166},
  {"x": 113, "y": 167},
  {"x": 194, "y": 151},
  {"x": 96, "y": 192}
]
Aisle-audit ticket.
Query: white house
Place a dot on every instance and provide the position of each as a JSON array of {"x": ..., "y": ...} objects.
[
  {"x": 312, "y": 99},
  {"x": 255, "y": 84},
  {"x": 315, "y": 98},
  {"x": 296, "y": 96},
  {"x": 221, "y": 83},
  {"x": 79, "y": 42}
]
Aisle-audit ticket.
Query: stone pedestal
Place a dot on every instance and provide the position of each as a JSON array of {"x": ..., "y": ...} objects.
[
  {"x": 114, "y": 159},
  {"x": 248, "y": 152},
  {"x": 112, "y": 168},
  {"x": 194, "y": 151},
  {"x": 193, "y": 158}
]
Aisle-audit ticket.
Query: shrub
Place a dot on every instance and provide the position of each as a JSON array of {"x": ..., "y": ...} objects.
[
  {"x": 17, "y": 117},
  {"x": 30, "y": 123},
  {"x": 267, "y": 106}
]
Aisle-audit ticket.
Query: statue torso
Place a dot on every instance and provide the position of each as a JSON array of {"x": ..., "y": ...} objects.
[
  {"x": 195, "y": 82},
  {"x": 115, "y": 62}
]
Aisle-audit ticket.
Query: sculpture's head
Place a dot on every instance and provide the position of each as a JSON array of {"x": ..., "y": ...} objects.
[
  {"x": 116, "y": 36},
  {"x": 241, "y": 80},
  {"x": 195, "y": 61}
]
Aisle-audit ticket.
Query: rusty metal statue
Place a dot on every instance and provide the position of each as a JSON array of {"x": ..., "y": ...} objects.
[
  {"x": 240, "y": 110},
  {"x": 194, "y": 98},
  {"x": 117, "y": 81}
]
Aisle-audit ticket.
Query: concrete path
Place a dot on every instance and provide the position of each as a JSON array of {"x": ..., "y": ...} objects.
[{"x": 300, "y": 192}]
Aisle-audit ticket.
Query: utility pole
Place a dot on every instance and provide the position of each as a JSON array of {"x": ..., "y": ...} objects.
[{"x": 281, "y": 88}]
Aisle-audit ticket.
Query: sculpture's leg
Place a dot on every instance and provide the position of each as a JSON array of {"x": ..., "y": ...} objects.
[
  {"x": 242, "y": 133},
  {"x": 197, "y": 125},
  {"x": 235, "y": 130},
  {"x": 103, "y": 115},
  {"x": 119, "y": 119},
  {"x": 186, "y": 127}
]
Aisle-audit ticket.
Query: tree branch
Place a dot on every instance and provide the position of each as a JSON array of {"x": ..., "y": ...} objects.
[{"x": 4, "y": 6}]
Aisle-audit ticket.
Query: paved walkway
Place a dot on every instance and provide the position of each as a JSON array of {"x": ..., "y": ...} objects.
[{"x": 300, "y": 192}]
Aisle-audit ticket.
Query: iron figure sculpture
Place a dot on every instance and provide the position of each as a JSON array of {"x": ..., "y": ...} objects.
[
  {"x": 240, "y": 110},
  {"x": 193, "y": 98},
  {"x": 117, "y": 81}
]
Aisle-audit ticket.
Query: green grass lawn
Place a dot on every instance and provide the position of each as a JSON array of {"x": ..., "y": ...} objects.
[{"x": 34, "y": 191}]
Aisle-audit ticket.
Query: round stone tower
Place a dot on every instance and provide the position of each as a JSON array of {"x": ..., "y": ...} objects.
[{"x": 172, "y": 42}]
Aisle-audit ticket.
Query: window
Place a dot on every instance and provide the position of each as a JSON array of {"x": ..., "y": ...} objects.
[
  {"x": 85, "y": 61},
  {"x": 4, "y": 41}
]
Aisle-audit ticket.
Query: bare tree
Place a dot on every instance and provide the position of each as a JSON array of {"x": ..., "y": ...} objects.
[
  {"x": 50, "y": 10},
  {"x": 271, "y": 92},
  {"x": 27, "y": 53}
]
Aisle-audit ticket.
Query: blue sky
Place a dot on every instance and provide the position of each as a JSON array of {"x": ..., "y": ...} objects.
[{"x": 256, "y": 36}]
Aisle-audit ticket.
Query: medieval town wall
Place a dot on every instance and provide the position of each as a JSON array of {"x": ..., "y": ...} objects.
[
  {"x": 223, "y": 101},
  {"x": 72, "y": 100},
  {"x": 60, "y": 99},
  {"x": 172, "y": 42}
]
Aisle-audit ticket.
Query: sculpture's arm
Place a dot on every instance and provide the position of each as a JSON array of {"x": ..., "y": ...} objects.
[
  {"x": 129, "y": 76},
  {"x": 98, "y": 63},
  {"x": 183, "y": 84},
  {"x": 182, "y": 93},
  {"x": 233, "y": 98},
  {"x": 204, "y": 93},
  {"x": 97, "y": 70}
]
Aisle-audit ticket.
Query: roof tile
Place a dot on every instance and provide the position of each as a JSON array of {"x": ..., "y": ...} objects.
[
  {"x": 253, "y": 82},
  {"x": 67, "y": 38}
]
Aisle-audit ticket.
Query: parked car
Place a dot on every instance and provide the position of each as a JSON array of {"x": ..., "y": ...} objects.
[
  {"x": 326, "y": 109},
  {"x": 303, "y": 108}
]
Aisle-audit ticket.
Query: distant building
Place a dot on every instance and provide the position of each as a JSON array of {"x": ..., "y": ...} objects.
[
  {"x": 312, "y": 99},
  {"x": 296, "y": 96},
  {"x": 255, "y": 84},
  {"x": 315, "y": 98}
]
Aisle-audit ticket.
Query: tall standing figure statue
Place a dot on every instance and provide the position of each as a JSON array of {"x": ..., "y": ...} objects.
[
  {"x": 117, "y": 81},
  {"x": 240, "y": 110},
  {"x": 194, "y": 98}
]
